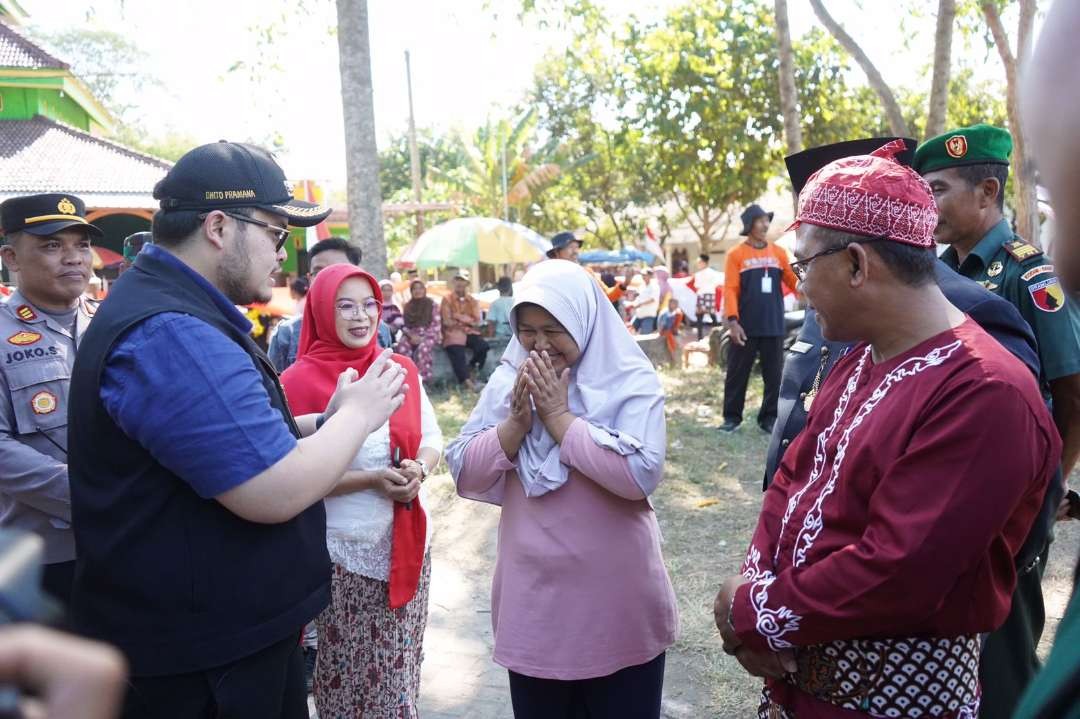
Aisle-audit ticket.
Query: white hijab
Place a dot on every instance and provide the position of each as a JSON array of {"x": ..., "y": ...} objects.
[{"x": 613, "y": 386}]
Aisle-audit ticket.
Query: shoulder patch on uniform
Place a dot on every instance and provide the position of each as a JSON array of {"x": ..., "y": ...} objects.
[
  {"x": 1036, "y": 271},
  {"x": 26, "y": 313},
  {"x": 23, "y": 338},
  {"x": 1048, "y": 294},
  {"x": 43, "y": 402},
  {"x": 1022, "y": 251}
]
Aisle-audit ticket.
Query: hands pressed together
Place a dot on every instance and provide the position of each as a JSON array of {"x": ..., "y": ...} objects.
[
  {"x": 538, "y": 385},
  {"x": 756, "y": 663}
]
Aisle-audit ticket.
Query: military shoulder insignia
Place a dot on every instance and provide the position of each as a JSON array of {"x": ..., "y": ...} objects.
[
  {"x": 1022, "y": 251},
  {"x": 43, "y": 402},
  {"x": 956, "y": 146},
  {"x": 1036, "y": 271},
  {"x": 26, "y": 313},
  {"x": 995, "y": 268},
  {"x": 1048, "y": 295},
  {"x": 26, "y": 337}
]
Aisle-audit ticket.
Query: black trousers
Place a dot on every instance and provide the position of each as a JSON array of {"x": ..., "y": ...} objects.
[
  {"x": 701, "y": 322},
  {"x": 740, "y": 364},
  {"x": 631, "y": 693},
  {"x": 266, "y": 685},
  {"x": 456, "y": 353},
  {"x": 1008, "y": 661}
]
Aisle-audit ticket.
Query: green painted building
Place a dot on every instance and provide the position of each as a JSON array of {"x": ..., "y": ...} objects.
[{"x": 53, "y": 138}]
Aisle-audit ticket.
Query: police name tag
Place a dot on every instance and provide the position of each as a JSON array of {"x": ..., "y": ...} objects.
[
  {"x": 766, "y": 285},
  {"x": 801, "y": 347}
]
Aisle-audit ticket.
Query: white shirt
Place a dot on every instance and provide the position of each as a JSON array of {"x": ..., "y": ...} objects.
[
  {"x": 359, "y": 525},
  {"x": 706, "y": 280},
  {"x": 648, "y": 300}
]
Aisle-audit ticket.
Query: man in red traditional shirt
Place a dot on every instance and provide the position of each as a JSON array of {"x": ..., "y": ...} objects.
[{"x": 886, "y": 542}]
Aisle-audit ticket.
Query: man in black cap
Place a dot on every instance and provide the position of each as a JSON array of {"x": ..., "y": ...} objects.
[
  {"x": 196, "y": 496},
  {"x": 754, "y": 310},
  {"x": 47, "y": 243}
]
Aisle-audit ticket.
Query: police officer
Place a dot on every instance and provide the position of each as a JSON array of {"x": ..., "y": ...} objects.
[
  {"x": 47, "y": 242},
  {"x": 967, "y": 169}
]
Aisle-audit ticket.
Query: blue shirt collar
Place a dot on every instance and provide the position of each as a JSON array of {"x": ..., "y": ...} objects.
[{"x": 235, "y": 316}]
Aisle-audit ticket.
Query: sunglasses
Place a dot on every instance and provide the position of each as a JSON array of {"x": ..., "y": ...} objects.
[{"x": 280, "y": 234}]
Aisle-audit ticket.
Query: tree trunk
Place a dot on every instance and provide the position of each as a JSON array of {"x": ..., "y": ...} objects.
[
  {"x": 939, "y": 88},
  {"x": 361, "y": 154},
  {"x": 897, "y": 124},
  {"x": 789, "y": 99},
  {"x": 1023, "y": 170}
]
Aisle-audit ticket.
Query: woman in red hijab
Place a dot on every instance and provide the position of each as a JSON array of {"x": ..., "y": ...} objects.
[{"x": 371, "y": 636}]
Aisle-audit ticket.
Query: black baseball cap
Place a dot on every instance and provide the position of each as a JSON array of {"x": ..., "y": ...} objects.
[
  {"x": 45, "y": 214},
  {"x": 802, "y": 165},
  {"x": 225, "y": 175}
]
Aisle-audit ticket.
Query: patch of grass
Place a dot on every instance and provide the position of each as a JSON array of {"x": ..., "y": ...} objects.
[{"x": 707, "y": 507}]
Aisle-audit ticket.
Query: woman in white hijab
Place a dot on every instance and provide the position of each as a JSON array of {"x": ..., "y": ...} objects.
[{"x": 569, "y": 438}]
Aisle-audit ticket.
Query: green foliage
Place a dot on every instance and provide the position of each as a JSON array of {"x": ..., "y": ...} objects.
[
  {"x": 439, "y": 154},
  {"x": 832, "y": 111}
]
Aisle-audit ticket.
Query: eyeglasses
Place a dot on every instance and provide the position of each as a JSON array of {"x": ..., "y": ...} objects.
[
  {"x": 280, "y": 234},
  {"x": 801, "y": 267},
  {"x": 352, "y": 311}
]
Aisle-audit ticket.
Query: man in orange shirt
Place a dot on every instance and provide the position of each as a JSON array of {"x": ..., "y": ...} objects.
[
  {"x": 754, "y": 309},
  {"x": 461, "y": 325}
]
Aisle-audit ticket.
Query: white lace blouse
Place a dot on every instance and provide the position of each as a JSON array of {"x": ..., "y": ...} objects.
[{"x": 359, "y": 525}]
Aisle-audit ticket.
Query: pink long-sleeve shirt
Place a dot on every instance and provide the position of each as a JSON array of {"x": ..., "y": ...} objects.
[{"x": 580, "y": 587}]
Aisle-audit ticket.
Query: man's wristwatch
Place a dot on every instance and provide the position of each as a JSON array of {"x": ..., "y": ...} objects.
[{"x": 424, "y": 469}]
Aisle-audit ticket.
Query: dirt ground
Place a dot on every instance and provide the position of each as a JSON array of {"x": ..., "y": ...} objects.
[{"x": 707, "y": 507}]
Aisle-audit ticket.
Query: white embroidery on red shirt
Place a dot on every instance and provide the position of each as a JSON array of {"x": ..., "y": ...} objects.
[{"x": 773, "y": 624}]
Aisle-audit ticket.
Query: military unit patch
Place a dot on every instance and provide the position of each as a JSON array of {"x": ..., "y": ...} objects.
[
  {"x": 43, "y": 402},
  {"x": 1036, "y": 271},
  {"x": 26, "y": 313},
  {"x": 956, "y": 146},
  {"x": 26, "y": 337},
  {"x": 1021, "y": 250},
  {"x": 1048, "y": 294}
]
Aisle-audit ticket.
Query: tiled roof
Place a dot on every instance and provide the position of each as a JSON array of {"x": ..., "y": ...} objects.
[
  {"x": 18, "y": 51},
  {"x": 41, "y": 155}
]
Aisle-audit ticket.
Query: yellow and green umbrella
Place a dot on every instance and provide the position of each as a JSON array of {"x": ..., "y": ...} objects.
[{"x": 466, "y": 241}]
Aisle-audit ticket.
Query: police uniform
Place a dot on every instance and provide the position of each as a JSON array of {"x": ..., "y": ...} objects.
[
  {"x": 1019, "y": 272},
  {"x": 37, "y": 353}
]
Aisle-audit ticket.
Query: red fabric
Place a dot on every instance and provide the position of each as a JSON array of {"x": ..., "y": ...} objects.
[
  {"x": 899, "y": 509},
  {"x": 310, "y": 382},
  {"x": 871, "y": 195}
]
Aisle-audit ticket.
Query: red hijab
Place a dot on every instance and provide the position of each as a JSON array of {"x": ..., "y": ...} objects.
[{"x": 310, "y": 382}]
